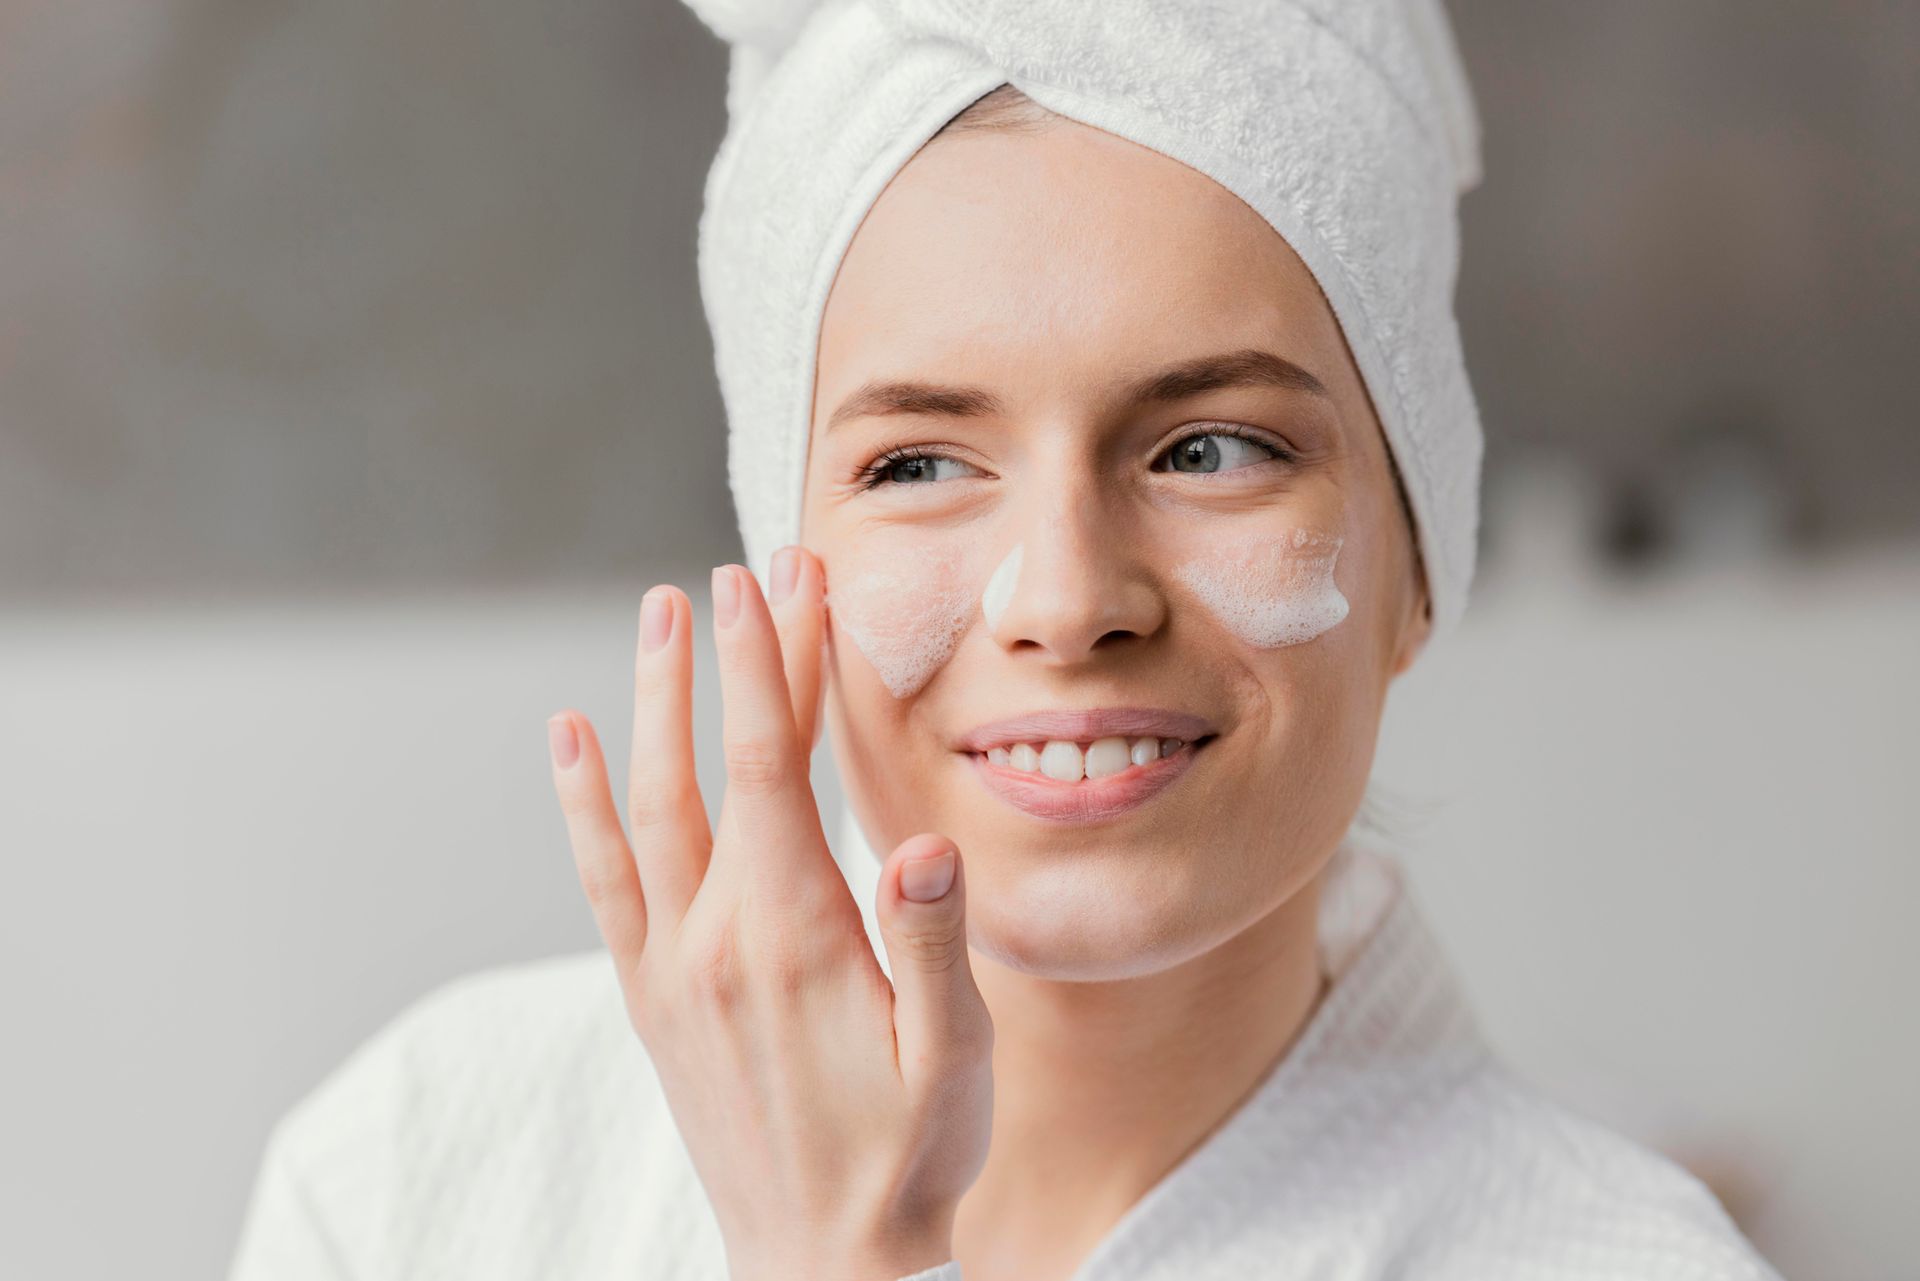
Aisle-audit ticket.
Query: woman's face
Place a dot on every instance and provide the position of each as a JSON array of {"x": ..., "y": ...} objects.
[{"x": 1090, "y": 461}]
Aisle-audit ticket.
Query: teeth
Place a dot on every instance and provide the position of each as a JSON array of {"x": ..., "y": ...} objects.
[
  {"x": 1069, "y": 762},
  {"x": 1062, "y": 761},
  {"x": 1107, "y": 756}
]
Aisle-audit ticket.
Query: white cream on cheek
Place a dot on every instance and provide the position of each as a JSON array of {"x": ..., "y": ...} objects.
[
  {"x": 1272, "y": 591},
  {"x": 905, "y": 613}
]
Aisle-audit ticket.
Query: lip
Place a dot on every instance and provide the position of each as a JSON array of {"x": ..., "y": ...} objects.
[
  {"x": 1067, "y": 725},
  {"x": 1091, "y": 800}
]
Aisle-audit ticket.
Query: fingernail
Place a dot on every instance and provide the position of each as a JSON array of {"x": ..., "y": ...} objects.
[
  {"x": 786, "y": 572},
  {"x": 563, "y": 741},
  {"x": 726, "y": 596},
  {"x": 925, "y": 879},
  {"x": 656, "y": 620}
]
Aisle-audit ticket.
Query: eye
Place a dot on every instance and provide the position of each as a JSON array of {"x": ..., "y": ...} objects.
[
  {"x": 1217, "y": 451},
  {"x": 913, "y": 467}
]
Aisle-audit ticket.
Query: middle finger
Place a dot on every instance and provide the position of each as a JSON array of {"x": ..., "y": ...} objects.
[
  {"x": 769, "y": 822},
  {"x": 799, "y": 619}
]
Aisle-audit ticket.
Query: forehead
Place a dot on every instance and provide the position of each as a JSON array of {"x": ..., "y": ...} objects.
[{"x": 1069, "y": 254}]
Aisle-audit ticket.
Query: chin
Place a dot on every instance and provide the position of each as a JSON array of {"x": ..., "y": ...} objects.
[{"x": 1079, "y": 919}]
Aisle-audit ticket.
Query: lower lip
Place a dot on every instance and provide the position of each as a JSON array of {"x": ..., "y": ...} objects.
[{"x": 1091, "y": 799}]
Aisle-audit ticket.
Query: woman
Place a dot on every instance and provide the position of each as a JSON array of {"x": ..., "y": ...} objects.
[{"x": 1115, "y": 519}]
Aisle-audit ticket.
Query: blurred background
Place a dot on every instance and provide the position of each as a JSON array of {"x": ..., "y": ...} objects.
[{"x": 354, "y": 384}]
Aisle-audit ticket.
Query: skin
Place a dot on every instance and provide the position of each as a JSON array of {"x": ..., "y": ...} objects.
[{"x": 1095, "y": 998}]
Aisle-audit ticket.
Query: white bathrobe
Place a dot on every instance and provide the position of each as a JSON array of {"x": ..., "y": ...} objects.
[{"x": 509, "y": 1125}]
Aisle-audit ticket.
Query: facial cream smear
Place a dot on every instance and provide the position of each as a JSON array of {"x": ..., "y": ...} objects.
[
  {"x": 1271, "y": 592},
  {"x": 905, "y": 616},
  {"x": 999, "y": 591}
]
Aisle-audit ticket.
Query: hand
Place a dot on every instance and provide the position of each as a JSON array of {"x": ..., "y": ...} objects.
[{"x": 834, "y": 1118}]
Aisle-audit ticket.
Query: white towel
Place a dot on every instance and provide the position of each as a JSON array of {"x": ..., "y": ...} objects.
[{"x": 1347, "y": 124}]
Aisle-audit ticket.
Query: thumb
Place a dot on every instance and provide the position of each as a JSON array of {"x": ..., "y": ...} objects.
[{"x": 940, "y": 1021}]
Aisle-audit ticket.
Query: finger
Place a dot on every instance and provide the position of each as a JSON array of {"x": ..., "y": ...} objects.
[
  {"x": 796, "y": 591},
  {"x": 940, "y": 1020},
  {"x": 600, "y": 853},
  {"x": 671, "y": 838},
  {"x": 770, "y": 826}
]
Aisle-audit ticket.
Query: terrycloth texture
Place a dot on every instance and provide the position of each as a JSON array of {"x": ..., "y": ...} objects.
[
  {"x": 1347, "y": 124},
  {"x": 509, "y": 1126}
]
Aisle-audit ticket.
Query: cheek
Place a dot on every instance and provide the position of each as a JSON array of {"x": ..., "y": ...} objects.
[
  {"x": 1269, "y": 591},
  {"x": 904, "y": 604}
]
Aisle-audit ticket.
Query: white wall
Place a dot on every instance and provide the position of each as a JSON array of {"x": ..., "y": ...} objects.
[
  {"x": 1663, "y": 846},
  {"x": 1670, "y": 843}
]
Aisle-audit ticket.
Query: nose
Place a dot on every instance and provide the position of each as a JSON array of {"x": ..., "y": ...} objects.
[{"x": 1080, "y": 583}]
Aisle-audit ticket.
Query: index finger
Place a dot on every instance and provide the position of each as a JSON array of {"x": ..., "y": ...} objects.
[{"x": 669, "y": 820}]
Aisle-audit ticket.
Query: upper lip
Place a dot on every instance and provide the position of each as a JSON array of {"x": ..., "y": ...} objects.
[{"x": 1069, "y": 726}]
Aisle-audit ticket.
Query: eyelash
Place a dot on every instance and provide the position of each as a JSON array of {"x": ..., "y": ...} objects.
[{"x": 874, "y": 474}]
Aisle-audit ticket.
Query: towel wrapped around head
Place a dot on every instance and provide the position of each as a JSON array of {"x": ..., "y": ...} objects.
[{"x": 1347, "y": 124}]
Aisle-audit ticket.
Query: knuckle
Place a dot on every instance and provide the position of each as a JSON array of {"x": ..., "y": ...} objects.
[
  {"x": 973, "y": 1035},
  {"x": 601, "y": 883},
  {"x": 652, "y": 808},
  {"x": 645, "y": 1026},
  {"x": 576, "y": 799},
  {"x": 797, "y": 968},
  {"x": 756, "y": 765},
  {"x": 938, "y": 946},
  {"x": 786, "y": 962},
  {"x": 715, "y": 978},
  {"x": 642, "y": 1009},
  {"x": 959, "y": 1066}
]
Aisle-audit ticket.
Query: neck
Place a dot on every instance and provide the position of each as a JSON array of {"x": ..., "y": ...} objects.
[{"x": 1102, "y": 1088}]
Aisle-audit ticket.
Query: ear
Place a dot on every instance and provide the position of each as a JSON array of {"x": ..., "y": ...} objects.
[{"x": 1415, "y": 629}]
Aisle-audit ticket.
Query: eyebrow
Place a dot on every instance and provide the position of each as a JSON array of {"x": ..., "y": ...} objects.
[{"x": 1248, "y": 367}]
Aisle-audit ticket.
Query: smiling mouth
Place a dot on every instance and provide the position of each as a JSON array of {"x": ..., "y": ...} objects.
[
  {"x": 1067, "y": 781},
  {"x": 1065, "y": 761}
]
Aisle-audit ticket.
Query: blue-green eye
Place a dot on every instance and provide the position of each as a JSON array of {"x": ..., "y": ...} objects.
[
  {"x": 913, "y": 467},
  {"x": 1216, "y": 451}
]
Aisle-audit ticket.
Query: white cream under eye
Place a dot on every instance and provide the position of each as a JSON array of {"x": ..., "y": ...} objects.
[
  {"x": 905, "y": 611},
  {"x": 1270, "y": 591}
]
